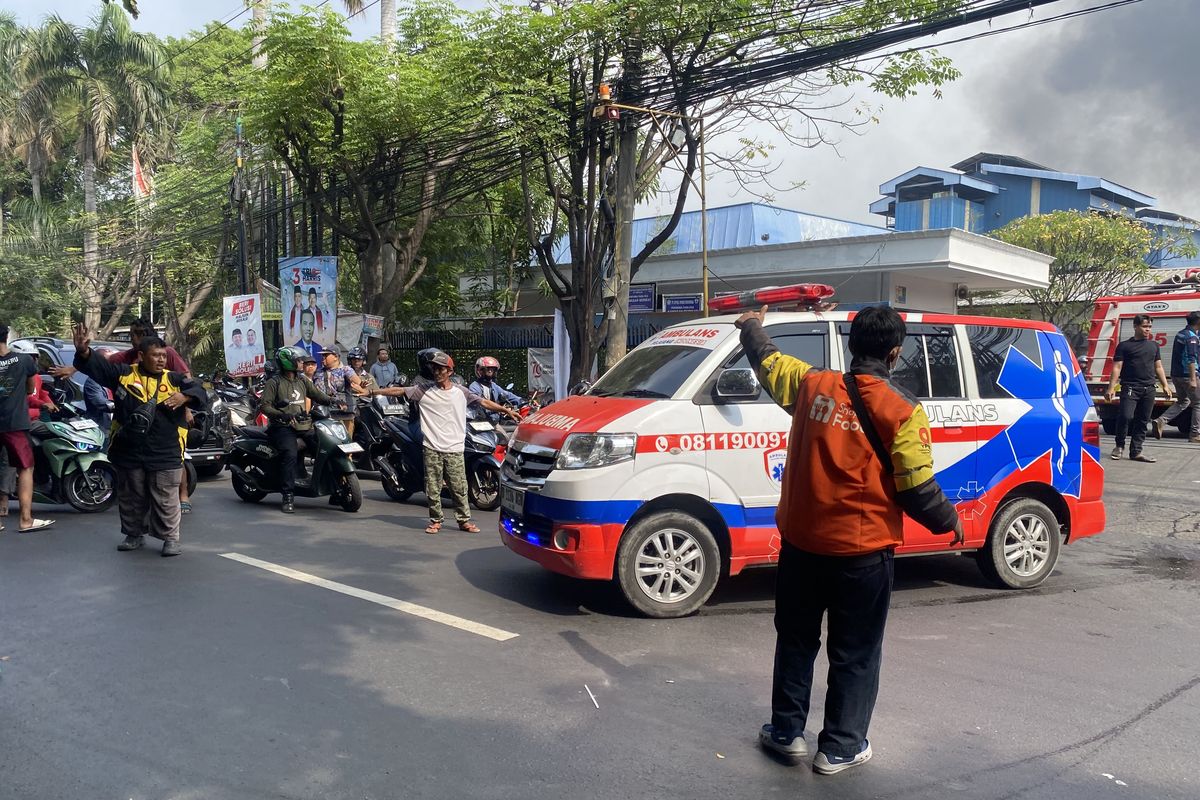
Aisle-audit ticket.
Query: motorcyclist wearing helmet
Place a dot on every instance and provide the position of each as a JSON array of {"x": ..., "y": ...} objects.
[
  {"x": 39, "y": 398},
  {"x": 358, "y": 362},
  {"x": 283, "y": 403},
  {"x": 442, "y": 407},
  {"x": 484, "y": 385}
]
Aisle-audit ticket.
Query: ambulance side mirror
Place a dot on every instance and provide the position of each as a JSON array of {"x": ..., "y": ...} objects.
[{"x": 737, "y": 384}]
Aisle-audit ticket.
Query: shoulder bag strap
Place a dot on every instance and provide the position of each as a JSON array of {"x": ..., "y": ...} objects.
[{"x": 868, "y": 425}]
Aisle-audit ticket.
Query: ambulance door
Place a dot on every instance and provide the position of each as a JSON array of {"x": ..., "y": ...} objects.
[
  {"x": 931, "y": 369},
  {"x": 746, "y": 443}
]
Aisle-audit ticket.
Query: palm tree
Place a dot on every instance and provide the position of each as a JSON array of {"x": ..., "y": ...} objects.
[{"x": 107, "y": 80}]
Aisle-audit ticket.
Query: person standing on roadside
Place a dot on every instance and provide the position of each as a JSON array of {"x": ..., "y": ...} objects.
[
  {"x": 1137, "y": 364},
  {"x": 17, "y": 374},
  {"x": 149, "y": 428},
  {"x": 858, "y": 459},
  {"x": 1185, "y": 354},
  {"x": 384, "y": 369},
  {"x": 442, "y": 407}
]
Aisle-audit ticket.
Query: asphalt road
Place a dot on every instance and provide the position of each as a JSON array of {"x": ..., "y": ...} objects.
[{"x": 125, "y": 675}]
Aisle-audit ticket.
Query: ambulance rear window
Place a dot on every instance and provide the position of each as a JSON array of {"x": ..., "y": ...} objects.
[
  {"x": 989, "y": 348},
  {"x": 651, "y": 372}
]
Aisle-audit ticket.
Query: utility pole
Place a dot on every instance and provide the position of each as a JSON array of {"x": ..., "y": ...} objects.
[
  {"x": 240, "y": 199},
  {"x": 625, "y": 192},
  {"x": 260, "y": 9}
]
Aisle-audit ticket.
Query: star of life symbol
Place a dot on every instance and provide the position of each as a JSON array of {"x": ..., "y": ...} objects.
[{"x": 969, "y": 501}]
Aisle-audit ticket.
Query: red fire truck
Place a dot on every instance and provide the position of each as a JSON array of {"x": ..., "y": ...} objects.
[{"x": 1168, "y": 303}]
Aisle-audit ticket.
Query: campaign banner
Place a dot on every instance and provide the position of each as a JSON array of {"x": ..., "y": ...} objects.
[
  {"x": 541, "y": 369},
  {"x": 242, "y": 328},
  {"x": 272, "y": 310},
  {"x": 372, "y": 325},
  {"x": 308, "y": 289}
]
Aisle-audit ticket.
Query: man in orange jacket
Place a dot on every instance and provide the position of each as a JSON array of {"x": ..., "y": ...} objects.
[{"x": 847, "y": 483}]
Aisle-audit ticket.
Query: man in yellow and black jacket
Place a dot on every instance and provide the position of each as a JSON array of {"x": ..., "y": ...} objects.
[
  {"x": 841, "y": 517},
  {"x": 149, "y": 436}
]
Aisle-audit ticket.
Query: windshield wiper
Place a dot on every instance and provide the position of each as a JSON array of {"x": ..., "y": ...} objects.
[{"x": 644, "y": 393}]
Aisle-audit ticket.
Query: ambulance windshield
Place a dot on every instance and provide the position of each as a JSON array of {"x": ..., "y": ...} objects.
[{"x": 653, "y": 372}]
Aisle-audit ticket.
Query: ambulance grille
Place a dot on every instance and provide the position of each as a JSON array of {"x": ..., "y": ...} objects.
[{"x": 529, "y": 463}]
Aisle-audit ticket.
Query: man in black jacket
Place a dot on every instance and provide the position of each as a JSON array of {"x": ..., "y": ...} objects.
[{"x": 149, "y": 433}]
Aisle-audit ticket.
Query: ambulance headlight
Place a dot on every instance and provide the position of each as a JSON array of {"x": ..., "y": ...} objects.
[{"x": 586, "y": 450}]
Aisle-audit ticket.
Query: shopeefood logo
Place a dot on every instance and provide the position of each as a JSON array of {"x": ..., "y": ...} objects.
[{"x": 1157, "y": 305}]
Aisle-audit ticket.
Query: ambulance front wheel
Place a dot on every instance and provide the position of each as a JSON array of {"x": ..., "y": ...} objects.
[
  {"x": 668, "y": 564},
  {"x": 1022, "y": 546}
]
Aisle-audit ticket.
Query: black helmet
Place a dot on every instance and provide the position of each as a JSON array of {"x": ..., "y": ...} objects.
[
  {"x": 356, "y": 352},
  {"x": 427, "y": 358},
  {"x": 289, "y": 358}
]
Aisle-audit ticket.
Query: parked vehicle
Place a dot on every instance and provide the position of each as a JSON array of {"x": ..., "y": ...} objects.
[
  {"x": 254, "y": 464},
  {"x": 70, "y": 464},
  {"x": 676, "y": 452},
  {"x": 1168, "y": 304},
  {"x": 392, "y": 441}
]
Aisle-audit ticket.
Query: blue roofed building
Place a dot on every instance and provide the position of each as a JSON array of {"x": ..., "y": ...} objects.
[{"x": 989, "y": 190}]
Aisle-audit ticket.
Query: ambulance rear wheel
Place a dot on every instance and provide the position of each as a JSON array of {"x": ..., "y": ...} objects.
[
  {"x": 668, "y": 564},
  {"x": 1022, "y": 546}
]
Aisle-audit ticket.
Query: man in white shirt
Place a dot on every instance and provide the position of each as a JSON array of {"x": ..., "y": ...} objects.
[{"x": 442, "y": 406}]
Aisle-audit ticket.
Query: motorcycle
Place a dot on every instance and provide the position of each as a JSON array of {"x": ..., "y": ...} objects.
[
  {"x": 69, "y": 461},
  {"x": 396, "y": 445},
  {"x": 253, "y": 462}
]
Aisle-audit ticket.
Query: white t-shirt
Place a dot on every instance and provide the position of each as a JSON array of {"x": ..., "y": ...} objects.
[{"x": 443, "y": 415}]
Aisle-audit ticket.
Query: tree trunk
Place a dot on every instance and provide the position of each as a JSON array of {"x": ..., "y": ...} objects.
[
  {"x": 387, "y": 22},
  {"x": 262, "y": 9},
  {"x": 92, "y": 290}
]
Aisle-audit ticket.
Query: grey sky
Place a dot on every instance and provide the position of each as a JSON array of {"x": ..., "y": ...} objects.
[{"x": 1111, "y": 94}]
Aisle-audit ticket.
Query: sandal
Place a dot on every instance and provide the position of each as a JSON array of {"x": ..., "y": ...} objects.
[
  {"x": 185, "y": 507},
  {"x": 433, "y": 527},
  {"x": 1145, "y": 459},
  {"x": 38, "y": 525},
  {"x": 468, "y": 526}
]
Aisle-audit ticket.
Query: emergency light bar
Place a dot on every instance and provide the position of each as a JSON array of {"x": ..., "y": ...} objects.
[{"x": 804, "y": 294}]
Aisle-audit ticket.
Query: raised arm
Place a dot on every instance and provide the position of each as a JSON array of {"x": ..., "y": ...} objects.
[{"x": 780, "y": 374}]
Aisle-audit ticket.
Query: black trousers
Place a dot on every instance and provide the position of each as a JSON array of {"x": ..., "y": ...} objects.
[
  {"x": 284, "y": 440},
  {"x": 855, "y": 591},
  {"x": 1137, "y": 405}
]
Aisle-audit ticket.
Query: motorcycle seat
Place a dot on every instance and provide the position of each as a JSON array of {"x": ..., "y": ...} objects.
[{"x": 254, "y": 432}]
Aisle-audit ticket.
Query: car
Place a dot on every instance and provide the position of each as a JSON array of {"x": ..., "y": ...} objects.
[{"x": 676, "y": 454}]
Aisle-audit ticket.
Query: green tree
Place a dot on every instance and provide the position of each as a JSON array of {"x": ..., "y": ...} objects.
[
  {"x": 108, "y": 81},
  {"x": 376, "y": 139},
  {"x": 1095, "y": 254},
  {"x": 553, "y": 60}
]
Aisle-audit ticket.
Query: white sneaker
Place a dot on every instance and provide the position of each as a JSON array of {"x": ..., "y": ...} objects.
[
  {"x": 831, "y": 765},
  {"x": 792, "y": 749}
]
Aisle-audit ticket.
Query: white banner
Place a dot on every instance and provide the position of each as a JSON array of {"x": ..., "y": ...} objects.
[
  {"x": 244, "y": 354},
  {"x": 562, "y": 356}
]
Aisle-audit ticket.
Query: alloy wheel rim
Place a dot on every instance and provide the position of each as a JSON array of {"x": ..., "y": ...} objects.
[
  {"x": 1027, "y": 545},
  {"x": 670, "y": 566}
]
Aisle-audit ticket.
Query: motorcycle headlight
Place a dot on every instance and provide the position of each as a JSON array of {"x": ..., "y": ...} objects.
[
  {"x": 335, "y": 429},
  {"x": 588, "y": 450},
  {"x": 86, "y": 446}
]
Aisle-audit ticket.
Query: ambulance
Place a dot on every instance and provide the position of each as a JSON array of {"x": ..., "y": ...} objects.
[{"x": 666, "y": 475}]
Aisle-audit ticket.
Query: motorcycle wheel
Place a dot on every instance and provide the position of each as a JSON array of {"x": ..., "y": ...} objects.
[
  {"x": 483, "y": 487},
  {"x": 349, "y": 492},
  {"x": 96, "y": 496},
  {"x": 246, "y": 490}
]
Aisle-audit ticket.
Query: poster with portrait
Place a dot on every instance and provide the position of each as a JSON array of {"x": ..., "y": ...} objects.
[
  {"x": 244, "y": 353},
  {"x": 308, "y": 293}
]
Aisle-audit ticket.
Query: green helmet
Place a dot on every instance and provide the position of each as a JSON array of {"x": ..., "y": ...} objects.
[{"x": 288, "y": 358}]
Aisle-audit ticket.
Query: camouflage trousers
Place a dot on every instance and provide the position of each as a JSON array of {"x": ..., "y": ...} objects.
[{"x": 451, "y": 468}]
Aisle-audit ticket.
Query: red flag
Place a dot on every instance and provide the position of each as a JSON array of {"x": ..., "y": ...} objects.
[{"x": 143, "y": 187}]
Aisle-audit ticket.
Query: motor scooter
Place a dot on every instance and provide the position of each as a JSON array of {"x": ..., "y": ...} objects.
[
  {"x": 70, "y": 464},
  {"x": 254, "y": 464},
  {"x": 403, "y": 464}
]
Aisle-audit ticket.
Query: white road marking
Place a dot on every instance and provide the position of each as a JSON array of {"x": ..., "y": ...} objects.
[{"x": 430, "y": 614}]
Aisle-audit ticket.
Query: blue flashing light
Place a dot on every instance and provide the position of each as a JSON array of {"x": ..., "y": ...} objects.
[{"x": 532, "y": 538}]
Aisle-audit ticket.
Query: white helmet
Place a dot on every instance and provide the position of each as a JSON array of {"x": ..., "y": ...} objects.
[{"x": 24, "y": 346}]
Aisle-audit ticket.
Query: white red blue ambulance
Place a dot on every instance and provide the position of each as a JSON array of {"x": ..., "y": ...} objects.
[{"x": 666, "y": 474}]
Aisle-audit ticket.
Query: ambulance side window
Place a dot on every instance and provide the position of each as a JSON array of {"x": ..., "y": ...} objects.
[
  {"x": 989, "y": 348},
  {"x": 928, "y": 363}
]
